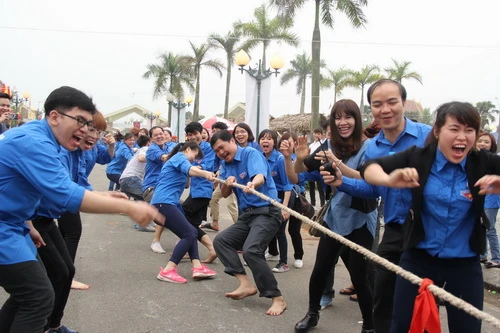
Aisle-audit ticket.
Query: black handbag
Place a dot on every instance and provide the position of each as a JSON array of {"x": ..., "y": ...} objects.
[{"x": 301, "y": 205}]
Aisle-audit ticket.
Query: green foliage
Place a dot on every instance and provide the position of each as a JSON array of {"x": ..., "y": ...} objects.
[
  {"x": 336, "y": 78},
  {"x": 400, "y": 71},
  {"x": 487, "y": 112}
]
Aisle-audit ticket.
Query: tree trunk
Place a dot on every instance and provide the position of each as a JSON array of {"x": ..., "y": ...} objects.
[
  {"x": 316, "y": 57},
  {"x": 228, "y": 85},
  {"x": 196, "y": 107},
  {"x": 303, "y": 98},
  {"x": 361, "y": 105},
  {"x": 169, "y": 104}
]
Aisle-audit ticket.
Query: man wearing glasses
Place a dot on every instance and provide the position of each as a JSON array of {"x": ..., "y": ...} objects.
[
  {"x": 4, "y": 111},
  {"x": 30, "y": 171}
]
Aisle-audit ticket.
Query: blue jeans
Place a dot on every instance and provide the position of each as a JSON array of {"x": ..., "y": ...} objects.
[
  {"x": 492, "y": 236},
  {"x": 132, "y": 186}
]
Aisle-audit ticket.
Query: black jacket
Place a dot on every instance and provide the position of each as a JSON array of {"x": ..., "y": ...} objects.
[{"x": 479, "y": 163}]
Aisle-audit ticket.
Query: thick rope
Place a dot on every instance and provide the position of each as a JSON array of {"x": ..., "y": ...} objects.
[{"x": 441, "y": 293}]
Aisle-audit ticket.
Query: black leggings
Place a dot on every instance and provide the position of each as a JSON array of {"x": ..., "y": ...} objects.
[
  {"x": 326, "y": 255},
  {"x": 70, "y": 226},
  {"x": 195, "y": 210},
  {"x": 59, "y": 266}
]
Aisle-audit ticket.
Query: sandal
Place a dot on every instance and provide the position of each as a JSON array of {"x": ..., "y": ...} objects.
[
  {"x": 348, "y": 291},
  {"x": 353, "y": 298},
  {"x": 208, "y": 226},
  {"x": 491, "y": 264}
]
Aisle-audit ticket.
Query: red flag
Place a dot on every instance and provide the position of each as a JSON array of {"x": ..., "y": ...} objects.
[{"x": 425, "y": 312}]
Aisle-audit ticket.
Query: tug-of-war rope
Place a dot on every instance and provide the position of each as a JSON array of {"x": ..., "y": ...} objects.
[{"x": 437, "y": 291}]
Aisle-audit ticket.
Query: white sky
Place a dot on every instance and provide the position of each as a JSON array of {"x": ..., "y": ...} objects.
[{"x": 103, "y": 47}]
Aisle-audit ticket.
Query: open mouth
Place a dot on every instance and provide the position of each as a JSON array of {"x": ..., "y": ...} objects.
[{"x": 458, "y": 149}]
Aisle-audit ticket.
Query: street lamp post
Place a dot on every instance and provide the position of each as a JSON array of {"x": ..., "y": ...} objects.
[
  {"x": 179, "y": 106},
  {"x": 242, "y": 59},
  {"x": 152, "y": 116}
]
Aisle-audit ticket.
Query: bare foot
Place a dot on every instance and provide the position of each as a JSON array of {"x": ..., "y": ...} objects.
[
  {"x": 79, "y": 286},
  {"x": 242, "y": 292},
  {"x": 211, "y": 257},
  {"x": 277, "y": 307}
]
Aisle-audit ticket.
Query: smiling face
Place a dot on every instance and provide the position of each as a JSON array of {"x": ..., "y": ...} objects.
[
  {"x": 195, "y": 136},
  {"x": 267, "y": 144},
  {"x": 90, "y": 139},
  {"x": 345, "y": 125},
  {"x": 225, "y": 150},
  {"x": 455, "y": 139},
  {"x": 67, "y": 131},
  {"x": 387, "y": 107},
  {"x": 241, "y": 136},
  {"x": 484, "y": 142},
  {"x": 204, "y": 135},
  {"x": 158, "y": 136}
]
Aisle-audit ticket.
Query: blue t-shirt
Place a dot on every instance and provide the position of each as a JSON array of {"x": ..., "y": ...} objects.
[
  {"x": 248, "y": 163},
  {"x": 278, "y": 172},
  {"x": 397, "y": 201},
  {"x": 172, "y": 180},
  {"x": 30, "y": 167},
  {"x": 200, "y": 187},
  {"x": 448, "y": 215},
  {"x": 154, "y": 164}
]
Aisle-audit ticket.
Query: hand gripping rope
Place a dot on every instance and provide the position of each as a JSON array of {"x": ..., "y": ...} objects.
[{"x": 437, "y": 291}]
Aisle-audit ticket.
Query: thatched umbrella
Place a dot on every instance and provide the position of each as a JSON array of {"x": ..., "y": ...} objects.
[{"x": 296, "y": 123}]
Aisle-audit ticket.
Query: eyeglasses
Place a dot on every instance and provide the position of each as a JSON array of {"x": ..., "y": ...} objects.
[{"x": 80, "y": 120}]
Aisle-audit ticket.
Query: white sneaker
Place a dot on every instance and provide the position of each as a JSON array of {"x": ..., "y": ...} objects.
[
  {"x": 298, "y": 263},
  {"x": 156, "y": 248},
  {"x": 272, "y": 258}
]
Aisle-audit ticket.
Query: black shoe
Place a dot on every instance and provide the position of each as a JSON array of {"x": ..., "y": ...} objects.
[
  {"x": 309, "y": 321},
  {"x": 367, "y": 330}
]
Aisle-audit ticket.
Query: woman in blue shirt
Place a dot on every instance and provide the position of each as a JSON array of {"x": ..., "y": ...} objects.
[
  {"x": 348, "y": 216},
  {"x": 124, "y": 152},
  {"x": 491, "y": 205},
  {"x": 244, "y": 137},
  {"x": 166, "y": 198},
  {"x": 268, "y": 141},
  {"x": 445, "y": 230}
]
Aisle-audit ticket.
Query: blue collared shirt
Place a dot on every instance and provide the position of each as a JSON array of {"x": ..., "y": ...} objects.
[
  {"x": 397, "y": 202},
  {"x": 247, "y": 164},
  {"x": 154, "y": 164},
  {"x": 172, "y": 180},
  {"x": 29, "y": 167},
  {"x": 98, "y": 154},
  {"x": 123, "y": 154},
  {"x": 200, "y": 187},
  {"x": 448, "y": 215},
  {"x": 276, "y": 163}
]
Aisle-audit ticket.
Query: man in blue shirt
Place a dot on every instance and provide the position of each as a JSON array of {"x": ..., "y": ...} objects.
[
  {"x": 156, "y": 155},
  {"x": 257, "y": 224},
  {"x": 30, "y": 169},
  {"x": 387, "y": 98}
]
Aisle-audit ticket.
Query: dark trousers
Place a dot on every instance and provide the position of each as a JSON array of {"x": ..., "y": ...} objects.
[
  {"x": 177, "y": 223},
  {"x": 195, "y": 210},
  {"x": 385, "y": 281},
  {"x": 70, "y": 226},
  {"x": 31, "y": 297},
  {"x": 294, "y": 226},
  {"x": 59, "y": 266},
  {"x": 115, "y": 178},
  {"x": 461, "y": 277},
  {"x": 327, "y": 254},
  {"x": 252, "y": 233},
  {"x": 312, "y": 192}
]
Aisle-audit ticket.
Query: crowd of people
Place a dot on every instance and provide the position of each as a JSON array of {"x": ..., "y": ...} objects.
[{"x": 440, "y": 187}]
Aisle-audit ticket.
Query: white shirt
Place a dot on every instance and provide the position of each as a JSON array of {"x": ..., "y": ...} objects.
[{"x": 135, "y": 168}]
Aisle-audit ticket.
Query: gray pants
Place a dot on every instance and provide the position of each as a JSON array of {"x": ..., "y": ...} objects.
[{"x": 251, "y": 233}]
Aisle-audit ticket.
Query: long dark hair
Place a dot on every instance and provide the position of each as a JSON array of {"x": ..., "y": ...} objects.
[
  {"x": 341, "y": 148},
  {"x": 272, "y": 134},
  {"x": 493, "y": 148},
  {"x": 180, "y": 147},
  {"x": 251, "y": 137}
]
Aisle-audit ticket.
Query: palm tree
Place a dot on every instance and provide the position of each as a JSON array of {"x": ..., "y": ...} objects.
[
  {"x": 301, "y": 69},
  {"x": 351, "y": 8},
  {"x": 265, "y": 29},
  {"x": 228, "y": 43},
  {"x": 359, "y": 79},
  {"x": 337, "y": 79},
  {"x": 170, "y": 76},
  {"x": 486, "y": 112},
  {"x": 400, "y": 71},
  {"x": 196, "y": 62}
]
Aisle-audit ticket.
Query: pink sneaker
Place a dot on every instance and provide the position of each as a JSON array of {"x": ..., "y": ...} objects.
[
  {"x": 202, "y": 273},
  {"x": 170, "y": 275}
]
